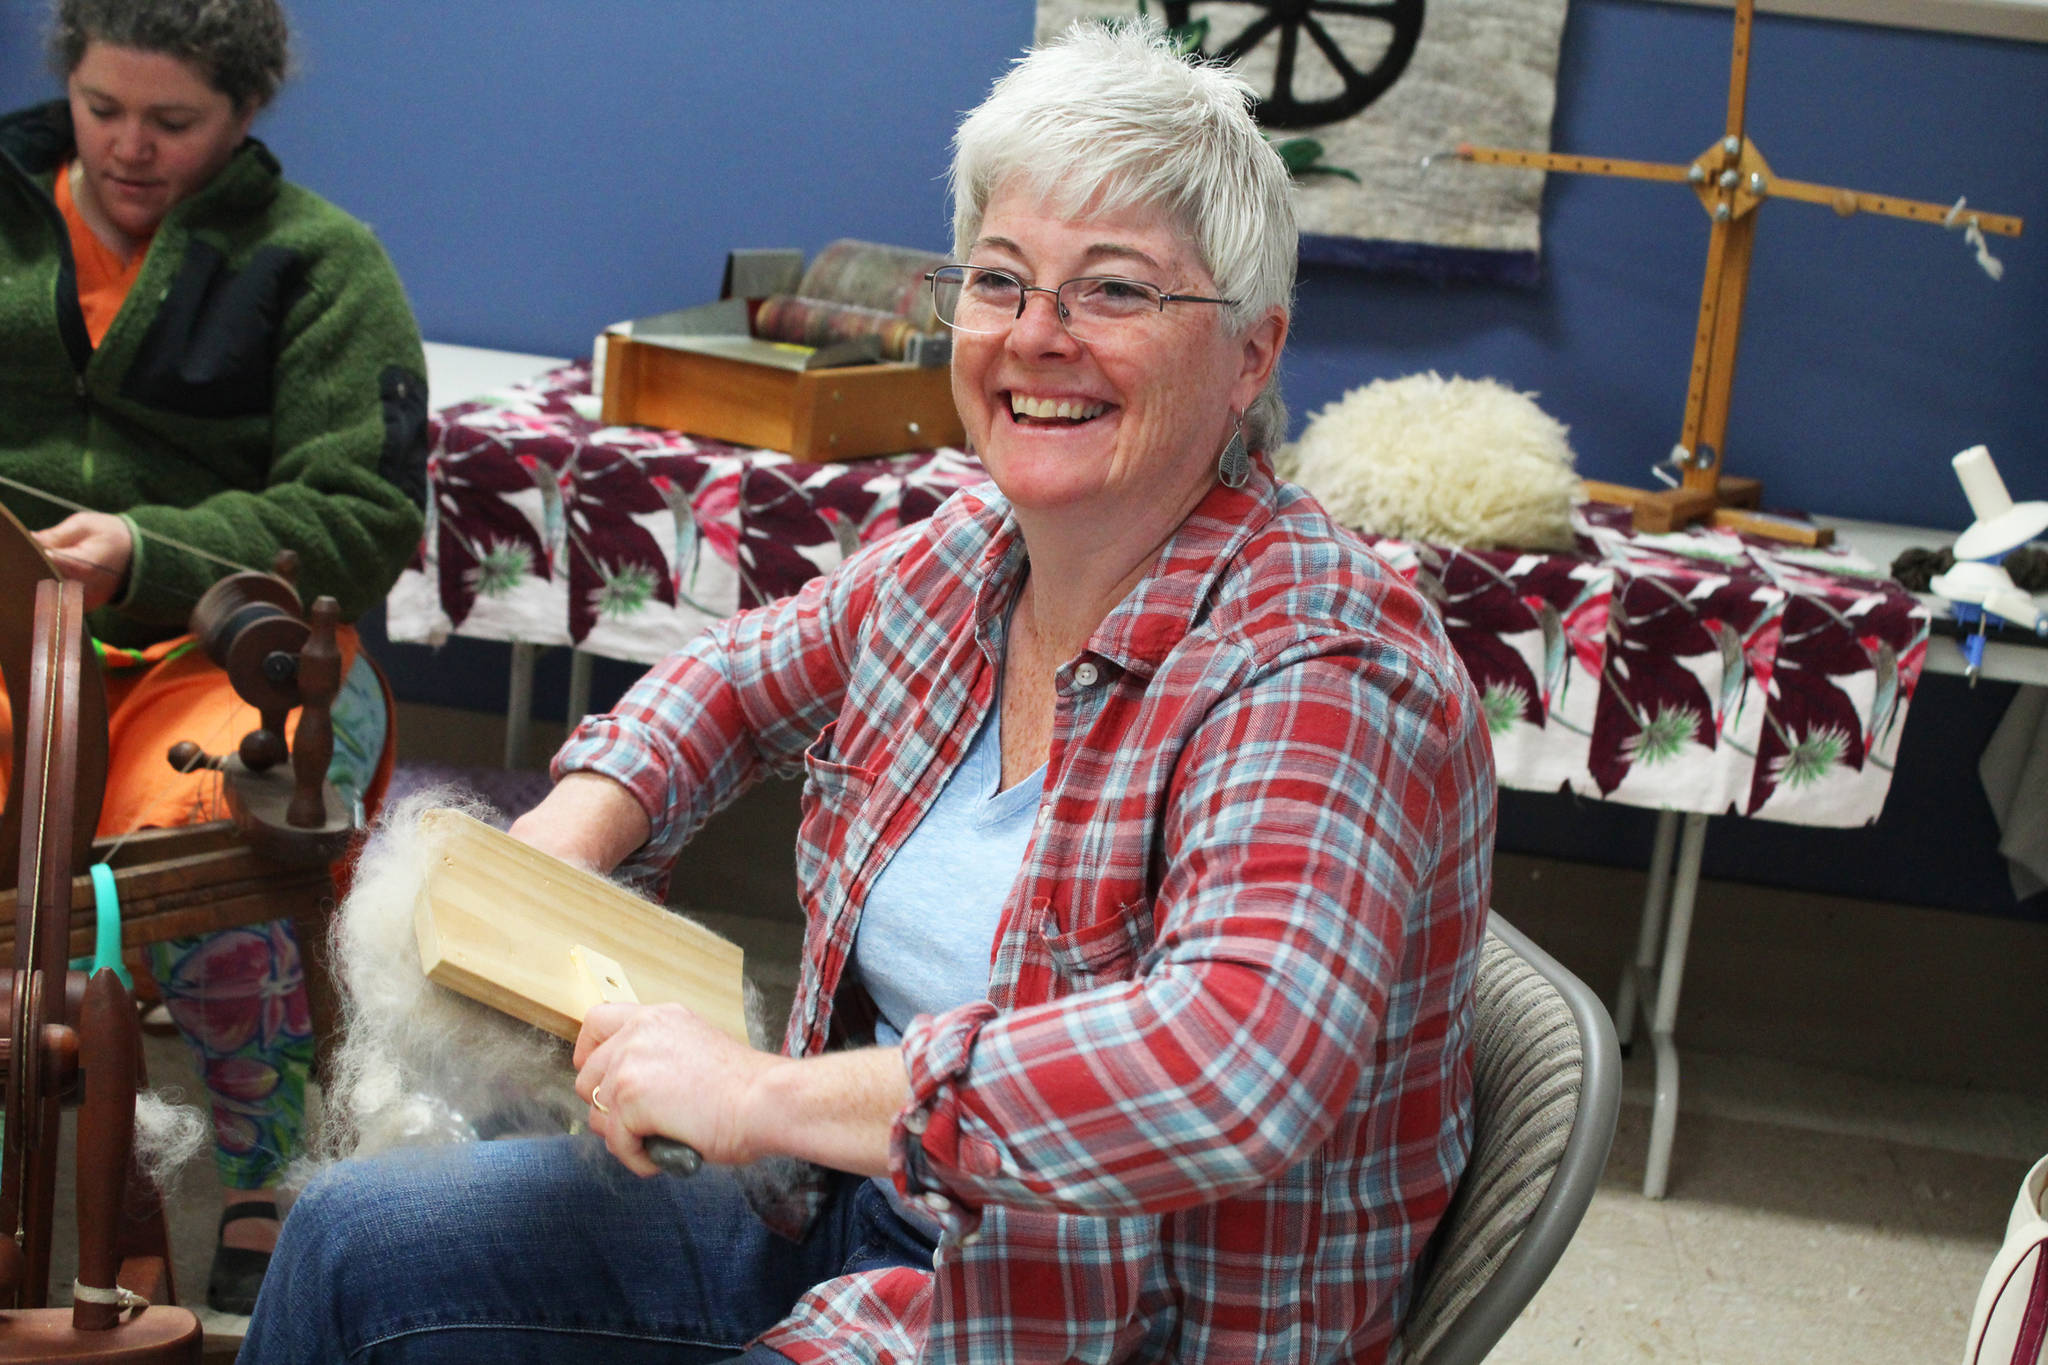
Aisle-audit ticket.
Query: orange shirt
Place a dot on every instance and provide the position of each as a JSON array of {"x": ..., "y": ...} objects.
[{"x": 103, "y": 278}]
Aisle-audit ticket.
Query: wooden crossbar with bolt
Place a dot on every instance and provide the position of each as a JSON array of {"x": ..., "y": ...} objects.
[{"x": 1732, "y": 180}]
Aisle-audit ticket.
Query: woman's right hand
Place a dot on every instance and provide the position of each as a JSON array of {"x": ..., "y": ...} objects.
[
  {"x": 588, "y": 820},
  {"x": 93, "y": 548}
]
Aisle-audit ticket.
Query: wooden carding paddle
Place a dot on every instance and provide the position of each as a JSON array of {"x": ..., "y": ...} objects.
[{"x": 502, "y": 923}]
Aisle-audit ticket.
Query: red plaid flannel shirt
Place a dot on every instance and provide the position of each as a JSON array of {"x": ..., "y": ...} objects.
[{"x": 1219, "y": 1094}]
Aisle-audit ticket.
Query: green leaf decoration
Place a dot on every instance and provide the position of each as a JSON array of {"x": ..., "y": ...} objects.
[
  {"x": 1303, "y": 156},
  {"x": 1812, "y": 757},
  {"x": 626, "y": 590},
  {"x": 503, "y": 564},
  {"x": 1662, "y": 736},
  {"x": 1299, "y": 153},
  {"x": 1503, "y": 705}
]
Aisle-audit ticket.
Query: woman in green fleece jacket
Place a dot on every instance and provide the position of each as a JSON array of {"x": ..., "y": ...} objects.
[{"x": 201, "y": 356}]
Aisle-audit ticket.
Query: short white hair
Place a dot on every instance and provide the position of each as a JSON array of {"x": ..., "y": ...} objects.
[{"x": 1106, "y": 118}]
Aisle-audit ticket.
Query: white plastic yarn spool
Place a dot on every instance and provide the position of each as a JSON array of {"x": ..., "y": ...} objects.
[{"x": 2001, "y": 524}]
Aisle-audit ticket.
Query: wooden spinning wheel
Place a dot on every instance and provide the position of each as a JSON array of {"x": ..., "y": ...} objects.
[
  {"x": 269, "y": 862},
  {"x": 61, "y": 1030},
  {"x": 1331, "y": 28},
  {"x": 1732, "y": 181}
]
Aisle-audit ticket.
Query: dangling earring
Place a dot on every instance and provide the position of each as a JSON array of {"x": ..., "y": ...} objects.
[{"x": 1234, "y": 465}]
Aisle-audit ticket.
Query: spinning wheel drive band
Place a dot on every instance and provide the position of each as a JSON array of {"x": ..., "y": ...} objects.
[{"x": 1367, "y": 72}]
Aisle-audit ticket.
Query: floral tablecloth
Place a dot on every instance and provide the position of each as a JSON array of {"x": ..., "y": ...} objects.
[
  {"x": 1700, "y": 671},
  {"x": 546, "y": 526},
  {"x": 1697, "y": 671}
]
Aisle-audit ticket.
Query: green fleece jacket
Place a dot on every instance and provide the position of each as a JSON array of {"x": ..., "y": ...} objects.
[{"x": 263, "y": 387}]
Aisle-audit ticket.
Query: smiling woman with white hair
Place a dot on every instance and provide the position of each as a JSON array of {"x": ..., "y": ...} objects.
[{"x": 1144, "y": 860}]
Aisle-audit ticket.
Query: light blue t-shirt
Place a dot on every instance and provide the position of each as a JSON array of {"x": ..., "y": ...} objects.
[{"x": 929, "y": 925}]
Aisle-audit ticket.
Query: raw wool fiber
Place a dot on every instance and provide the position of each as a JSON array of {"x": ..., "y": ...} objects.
[
  {"x": 418, "y": 1064},
  {"x": 167, "y": 1135},
  {"x": 1465, "y": 462}
]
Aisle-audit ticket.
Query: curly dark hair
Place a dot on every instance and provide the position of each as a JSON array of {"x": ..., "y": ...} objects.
[{"x": 241, "y": 46}]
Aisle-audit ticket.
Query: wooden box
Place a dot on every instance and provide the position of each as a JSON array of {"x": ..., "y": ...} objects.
[{"x": 839, "y": 413}]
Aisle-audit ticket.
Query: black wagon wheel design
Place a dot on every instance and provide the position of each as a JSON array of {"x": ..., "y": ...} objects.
[{"x": 1286, "y": 21}]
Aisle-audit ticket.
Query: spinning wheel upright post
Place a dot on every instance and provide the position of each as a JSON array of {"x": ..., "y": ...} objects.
[
  {"x": 269, "y": 862},
  {"x": 1732, "y": 181}
]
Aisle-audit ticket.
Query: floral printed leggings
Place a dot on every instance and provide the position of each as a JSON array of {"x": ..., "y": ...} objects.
[{"x": 237, "y": 995}]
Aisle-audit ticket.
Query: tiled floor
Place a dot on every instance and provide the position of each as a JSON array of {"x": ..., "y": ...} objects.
[{"x": 1812, "y": 1215}]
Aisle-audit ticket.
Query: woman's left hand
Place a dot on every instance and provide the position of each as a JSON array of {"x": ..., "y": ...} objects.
[
  {"x": 662, "y": 1070},
  {"x": 93, "y": 548}
]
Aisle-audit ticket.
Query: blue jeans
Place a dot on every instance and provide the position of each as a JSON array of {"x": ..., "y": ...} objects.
[{"x": 547, "y": 1250}]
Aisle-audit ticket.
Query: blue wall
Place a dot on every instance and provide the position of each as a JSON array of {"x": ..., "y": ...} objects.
[{"x": 539, "y": 170}]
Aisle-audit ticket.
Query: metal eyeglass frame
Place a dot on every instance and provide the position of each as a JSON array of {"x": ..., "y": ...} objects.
[{"x": 1060, "y": 311}]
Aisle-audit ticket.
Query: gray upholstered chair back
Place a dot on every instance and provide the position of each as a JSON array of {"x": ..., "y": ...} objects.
[{"x": 1546, "y": 1091}]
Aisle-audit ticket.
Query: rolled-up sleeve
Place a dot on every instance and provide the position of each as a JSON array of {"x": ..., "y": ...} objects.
[{"x": 742, "y": 700}]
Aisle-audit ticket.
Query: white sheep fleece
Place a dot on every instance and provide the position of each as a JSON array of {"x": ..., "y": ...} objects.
[{"x": 1467, "y": 462}]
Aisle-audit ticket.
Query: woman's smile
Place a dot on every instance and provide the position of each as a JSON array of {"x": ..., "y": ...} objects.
[{"x": 1037, "y": 410}]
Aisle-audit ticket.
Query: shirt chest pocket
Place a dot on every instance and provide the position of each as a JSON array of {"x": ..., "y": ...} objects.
[
  {"x": 1099, "y": 953},
  {"x": 834, "y": 793}
]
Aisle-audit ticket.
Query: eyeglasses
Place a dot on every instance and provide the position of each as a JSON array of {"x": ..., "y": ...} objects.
[{"x": 974, "y": 298}]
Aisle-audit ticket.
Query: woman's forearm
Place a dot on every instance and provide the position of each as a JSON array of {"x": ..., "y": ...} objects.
[
  {"x": 587, "y": 819},
  {"x": 836, "y": 1109}
]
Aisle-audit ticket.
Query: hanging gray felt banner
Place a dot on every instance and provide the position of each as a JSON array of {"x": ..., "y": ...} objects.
[{"x": 1356, "y": 93}]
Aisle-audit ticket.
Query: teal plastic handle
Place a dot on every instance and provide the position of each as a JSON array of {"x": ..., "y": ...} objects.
[{"x": 107, "y": 939}]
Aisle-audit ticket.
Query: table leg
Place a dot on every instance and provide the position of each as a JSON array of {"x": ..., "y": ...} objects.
[
  {"x": 519, "y": 707},
  {"x": 579, "y": 686},
  {"x": 1659, "y": 1003},
  {"x": 1656, "y": 897}
]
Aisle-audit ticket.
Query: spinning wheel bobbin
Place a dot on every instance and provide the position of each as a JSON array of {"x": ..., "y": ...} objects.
[{"x": 249, "y": 624}]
